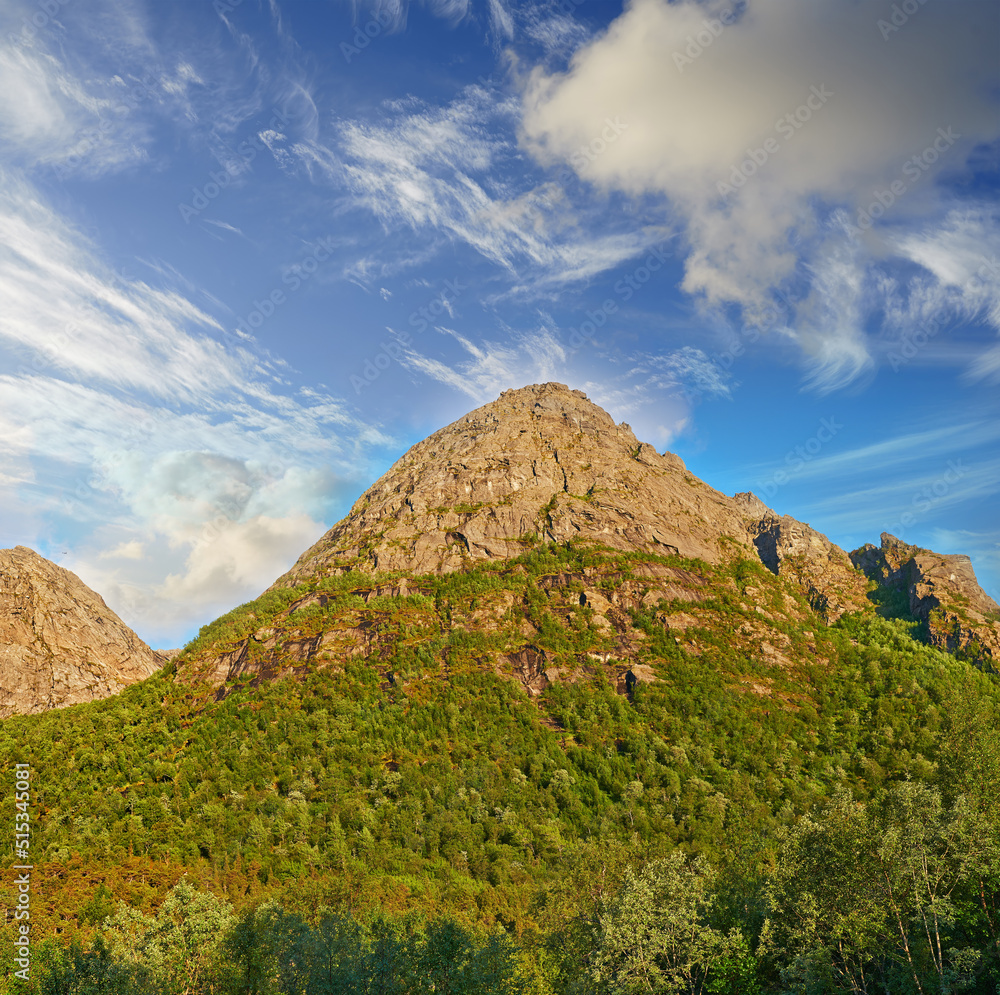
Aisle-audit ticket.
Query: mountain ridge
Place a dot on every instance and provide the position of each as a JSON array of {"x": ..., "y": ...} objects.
[{"x": 543, "y": 464}]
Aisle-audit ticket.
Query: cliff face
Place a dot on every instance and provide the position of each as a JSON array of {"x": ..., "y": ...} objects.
[
  {"x": 941, "y": 590},
  {"x": 792, "y": 549},
  {"x": 60, "y": 644},
  {"x": 544, "y": 462}
]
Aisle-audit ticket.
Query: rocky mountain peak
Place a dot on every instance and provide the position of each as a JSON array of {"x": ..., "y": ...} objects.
[
  {"x": 539, "y": 463},
  {"x": 60, "y": 644},
  {"x": 542, "y": 464}
]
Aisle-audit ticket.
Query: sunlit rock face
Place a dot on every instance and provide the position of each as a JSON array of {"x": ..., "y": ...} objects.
[
  {"x": 60, "y": 644},
  {"x": 942, "y": 590},
  {"x": 542, "y": 461}
]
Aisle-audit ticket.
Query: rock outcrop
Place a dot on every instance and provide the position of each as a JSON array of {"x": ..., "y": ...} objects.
[
  {"x": 942, "y": 591},
  {"x": 60, "y": 644},
  {"x": 793, "y": 549}
]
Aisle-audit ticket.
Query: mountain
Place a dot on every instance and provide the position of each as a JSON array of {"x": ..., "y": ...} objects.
[
  {"x": 541, "y": 464},
  {"x": 546, "y": 463},
  {"x": 60, "y": 644},
  {"x": 543, "y": 682}
]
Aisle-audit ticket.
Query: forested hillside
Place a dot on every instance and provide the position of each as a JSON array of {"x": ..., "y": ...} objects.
[{"x": 755, "y": 801}]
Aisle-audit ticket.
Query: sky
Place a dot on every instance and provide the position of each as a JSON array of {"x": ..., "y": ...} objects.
[{"x": 252, "y": 250}]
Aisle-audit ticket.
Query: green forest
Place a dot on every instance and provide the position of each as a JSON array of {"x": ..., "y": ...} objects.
[{"x": 411, "y": 819}]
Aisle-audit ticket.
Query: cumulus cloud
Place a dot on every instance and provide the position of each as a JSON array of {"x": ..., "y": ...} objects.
[
  {"x": 757, "y": 123},
  {"x": 172, "y": 493},
  {"x": 123, "y": 413}
]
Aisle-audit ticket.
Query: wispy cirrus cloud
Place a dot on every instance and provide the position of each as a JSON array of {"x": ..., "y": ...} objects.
[
  {"x": 64, "y": 311},
  {"x": 455, "y": 172},
  {"x": 122, "y": 413},
  {"x": 905, "y": 483}
]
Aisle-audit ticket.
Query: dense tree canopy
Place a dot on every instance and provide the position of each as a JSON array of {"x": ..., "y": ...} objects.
[{"x": 819, "y": 818}]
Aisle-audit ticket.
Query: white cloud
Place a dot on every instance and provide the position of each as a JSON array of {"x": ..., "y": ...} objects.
[
  {"x": 124, "y": 421},
  {"x": 455, "y": 171},
  {"x": 686, "y": 371},
  {"x": 815, "y": 103},
  {"x": 78, "y": 92},
  {"x": 133, "y": 549},
  {"x": 500, "y": 20},
  {"x": 492, "y": 367},
  {"x": 656, "y": 392},
  {"x": 558, "y": 33},
  {"x": 65, "y": 311},
  {"x": 232, "y": 559}
]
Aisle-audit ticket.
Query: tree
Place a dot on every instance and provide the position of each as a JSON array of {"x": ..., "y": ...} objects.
[
  {"x": 654, "y": 936},
  {"x": 926, "y": 855},
  {"x": 179, "y": 947},
  {"x": 94, "y": 972},
  {"x": 882, "y": 897},
  {"x": 828, "y": 919}
]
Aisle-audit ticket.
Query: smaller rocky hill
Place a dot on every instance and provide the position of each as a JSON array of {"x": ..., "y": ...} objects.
[
  {"x": 60, "y": 644},
  {"x": 941, "y": 590}
]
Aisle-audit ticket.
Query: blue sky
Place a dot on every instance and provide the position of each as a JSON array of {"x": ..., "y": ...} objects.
[{"x": 253, "y": 249}]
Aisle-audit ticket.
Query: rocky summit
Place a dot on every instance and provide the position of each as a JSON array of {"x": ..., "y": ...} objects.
[
  {"x": 940, "y": 590},
  {"x": 60, "y": 644},
  {"x": 545, "y": 463}
]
